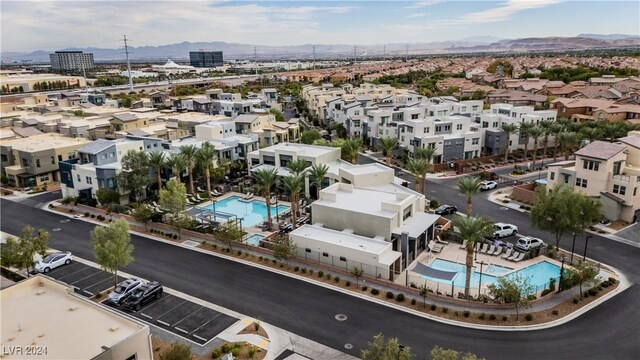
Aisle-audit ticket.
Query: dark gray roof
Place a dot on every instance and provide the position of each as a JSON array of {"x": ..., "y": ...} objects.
[
  {"x": 245, "y": 118},
  {"x": 202, "y": 101},
  {"x": 96, "y": 146},
  {"x": 30, "y": 121},
  {"x": 26, "y": 131},
  {"x": 600, "y": 150},
  {"x": 125, "y": 117}
]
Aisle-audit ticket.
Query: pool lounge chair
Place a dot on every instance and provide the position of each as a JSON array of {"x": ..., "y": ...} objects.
[
  {"x": 497, "y": 251},
  {"x": 440, "y": 241},
  {"x": 464, "y": 245},
  {"x": 435, "y": 247},
  {"x": 484, "y": 249},
  {"x": 215, "y": 193},
  {"x": 507, "y": 254},
  {"x": 200, "y": 190},
  {"x": 519, "y": 258},
  {"x": 492, "y": 248},
  {"x": 477, "y": 247},
  {"x": 513, "y": 256}
]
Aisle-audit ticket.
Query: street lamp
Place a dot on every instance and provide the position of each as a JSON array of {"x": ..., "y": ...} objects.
[
  {"x": 213, "y": 202},
  {"x": 240, "y": 219},
  {"x": 480, "y": 285},
  {"x": 572, "y": 247},
  {"x": 561, "y": 273},
  {"x": 277, "y": 214},
  {"x": 586, "y": 243}
]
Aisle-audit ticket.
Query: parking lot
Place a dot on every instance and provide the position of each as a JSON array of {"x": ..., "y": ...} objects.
[{"x": 172, "y": 313}]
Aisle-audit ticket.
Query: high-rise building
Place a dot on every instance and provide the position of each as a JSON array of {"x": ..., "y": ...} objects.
[
  {"x": 206, "y": 58},
  {"x": 71, "y": 60}
]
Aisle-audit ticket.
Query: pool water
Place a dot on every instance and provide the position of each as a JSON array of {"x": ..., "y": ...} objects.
[
  {"x": 538, "y": 274},
  {"x": 251, "y": 212},
  {"x": 254, "y": 240}
]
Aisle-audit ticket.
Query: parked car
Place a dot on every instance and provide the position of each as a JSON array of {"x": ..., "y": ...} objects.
[
  {"x": 503, "y": 230},
  {"x": 123, "y": 290},
  {"x": 488, "y": 185},
  {"x": 527, "y": 243},
  {"x": 446, "y": 209},
  {"x": 142, "y": 295},
  {"x": 52, "y": 261}
]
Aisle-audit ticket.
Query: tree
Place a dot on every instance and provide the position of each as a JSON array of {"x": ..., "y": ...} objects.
[
  {"x": 177, "y": 163},
  {"x": 309, "y": 136},
  {"x": 284, "y": 248},
  {"x": 383, "y": 349},
  {"x": 592, "y": 134},
  {"x": 317, "y": 173},
  {"x": 472, "y": 230},
  {"x": 350, "y": 149},
  {"x": 556, "y": 129},
  {"x": 189, "y": 153},
  {"x": 438, "y": 353},
  {"x": 418, "y": 168},
  {"x": 508, "y": 130},
  {"x": 112, "y": 247},
  {"x": 470, "y": 187},
  {"x": 134, "y": 176},
  {"x": 157, "y": 161},
  {"x": 424, "y": 291},
  {"x": 108, "y": 197},
  {"x": 564, "y": 210},
  {"x": 546, "y": 127},
  {"x": 177, "y": 351},
  {"x": 583, "y": 273},
  {"x": 357, "y": 272},
  {"x": 266, "y": 179},
  {"x": 425, "y": 153},
  {"x": 143, "y": 214},
  {"x": 297, "y": 167},
  {"x": 180, "y": 221},
  {"x": 277, "y": 114},
  {"x": 20, "y": 252},
  {"x": 205, "y": 156},
  {"x": 513, "y": 289},
  {"x": 524, "y": 129},
  {"x": 173, "y": 198},
  {"x": 229, "y": 234},
  {"x": 568, "y": 140},
  {"x": 535, "y": 133},
  {"x": 69, "y": 200},
  {"x": 386, "y": 145},
  {"x": 293, "y": 185}
]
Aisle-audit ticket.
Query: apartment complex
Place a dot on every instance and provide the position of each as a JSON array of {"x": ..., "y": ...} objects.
[
  {"x": 268, "y": 130},
  {"x": 40, "y": 313},
  {"x": 608, "y": 171},
  {"x": 71, "y": 60},
  {"x": 205, "y": 59}
]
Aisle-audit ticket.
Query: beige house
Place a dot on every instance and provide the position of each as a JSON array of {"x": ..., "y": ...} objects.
[
  {"x": 46, "y": 316},
  {"x": 608, "y": 171}
]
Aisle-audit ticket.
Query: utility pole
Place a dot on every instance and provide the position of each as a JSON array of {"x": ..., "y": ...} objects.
[
  {"x": 126, "y": 52},
  {"x": 384, "y": 52},
  {"x": 314, "y": 57},
  {"x": 355, "y": 54},
  {"x": 255, "y": 58},
  {"x": 406, "y": 55}
]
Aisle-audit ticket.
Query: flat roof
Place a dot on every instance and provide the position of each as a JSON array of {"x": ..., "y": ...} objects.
[
  {"x": 44, "y": 142},
  {"x": 41, "y": 312},
  {"x": 360, "y": 200},
  {"x": 367, "y": 169},
  {"x": 342, "y": 238},
  {"x": 301, "y": 149}
]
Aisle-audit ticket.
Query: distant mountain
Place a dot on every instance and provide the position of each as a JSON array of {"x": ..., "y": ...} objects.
[
  {"x": 608, "y": 37},
  {"x": 180, "y": 51}
]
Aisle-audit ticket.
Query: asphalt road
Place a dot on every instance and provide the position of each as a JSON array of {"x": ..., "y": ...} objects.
[{"x": 611, "y": 331}]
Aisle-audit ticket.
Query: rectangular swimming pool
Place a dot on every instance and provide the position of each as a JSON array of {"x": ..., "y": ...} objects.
[{"x": 251, "y": 212}]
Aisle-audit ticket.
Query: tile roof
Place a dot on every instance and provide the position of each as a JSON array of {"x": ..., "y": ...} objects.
[
  {"x": 632, "y": 140},
  {"x": 600, "y": 150},
  {"x": 96, "y": 146},
  {"x": 26, "y": 131}
]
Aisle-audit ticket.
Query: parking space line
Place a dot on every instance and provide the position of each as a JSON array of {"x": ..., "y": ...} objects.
[
  {"x": 191, "y": 313},
  {"x": 86, "y": 277},
  {"x": 210, "y": 320},
  {"x": 163, "y": 323},
  {"x": 154, "y": 304},
  {"x": 170, "y": 310},
  {"x": 145, "y": 315},
  {"x": 201, "y": 338},
  {"x": 181, "y": 330}
]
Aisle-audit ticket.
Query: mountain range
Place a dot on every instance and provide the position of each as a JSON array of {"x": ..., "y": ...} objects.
[{"x": 180, "y": 51}]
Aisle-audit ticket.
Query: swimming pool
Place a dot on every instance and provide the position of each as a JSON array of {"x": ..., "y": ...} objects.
[
  {"x": 254, "y": 240},
  {"x": 251, "y": 212},
  {"x": 539, "y": 274}
]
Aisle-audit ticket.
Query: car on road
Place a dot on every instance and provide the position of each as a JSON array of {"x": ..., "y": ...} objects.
[
  {"x": 142, "y": 296},
  {"x": 528, "y": 243},
  {"x": 488, "y": 185},
  {"x": 446, "y": 210},
  {"x": 501, "y": 230},
  {"x": 123, "y": 290},
  {"x": 53, "y": 261}
]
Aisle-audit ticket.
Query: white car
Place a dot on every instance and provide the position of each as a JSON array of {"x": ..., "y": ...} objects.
[
  {"x": 488, "y": 185},
  {"x": 503, "y": 230},
  {"x": 123, "y": 290},
  {"x": 52, "y": 261},
  {"x": 527, "y": 243}
]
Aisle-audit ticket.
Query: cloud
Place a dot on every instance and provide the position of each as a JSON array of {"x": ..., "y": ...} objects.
[
  {"x": 505, "y": 10},
  {"x": 416, "y": 15},
  {"x": 422, "y": 4}
]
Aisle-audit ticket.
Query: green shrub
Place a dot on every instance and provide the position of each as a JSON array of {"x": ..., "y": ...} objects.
[
  {"x": 585, "y": 294},
  {"x": 455, "y": 313},
  {"x": 481, "y": 316},
  {"x": 348, "y": 283},
  {"x": 364, "y": 288},
  {"x": 400, "y": 297},
  {"x": 445, "y": 310},
  {"x": 296, "y": 269},
  {"x": 235, "y": 352},
  {"x": 612, "y": 280},
  {"x": 93, "y": 216},
  {"x": 413, "y": 301},
  {"x": 575, "y": 300},
  {"x": 216, "y": 353},
  {"x": 87, "y": 214},
  {"x": 593, "y": 291},
  {"x": 434, "y": 204},
  {"x": 504, "y": 318},
  {"x": 492, "y": 317},
  {"x": 389, "y": 295},
  {"x": 320, "y": 273},
  {"x": 554, "y": 312},
  {"x": 433, "y": 307},
  {"x": 98, "y": 295},
  {"x": 528, "y": 317},
  {"x": 310, "y": 271},
  {"x": 413, "y": 285},
  {"x": 531, "y": 297},
  {"x": 466, "y": 313},
  {"x": 328, "y": 276},
  {"x": 239, "y": 252},
  {"x": 336, "y": 279},
  {"x": 375, "y": 291},
  {"x": 304, "y": 270},
  {"x": 605, "y": 284},
  {"x": 251, "y": 352},
  {"x": 175, "y": 236},
  {"x": 545, "y": 292}
]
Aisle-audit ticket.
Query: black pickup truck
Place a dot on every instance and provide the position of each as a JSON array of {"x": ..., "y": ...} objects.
[{"x": 143, "y": 295}]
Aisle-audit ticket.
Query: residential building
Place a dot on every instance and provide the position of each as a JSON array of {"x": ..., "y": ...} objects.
[
  {"x": 205, "y": 59},
  {"x": 607, "y": 171},
  {"x": 34, "y": 161},
  {"x": 41, "y": 313},
  {"x": 268, "y": 130},
  {"x": 516, "y": 98},
  {"x": 71, "y": 61},
  {"x": 36, "y": 82}
]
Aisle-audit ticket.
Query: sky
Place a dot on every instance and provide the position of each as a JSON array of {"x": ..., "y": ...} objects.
[{"x": 50, "y": 25}]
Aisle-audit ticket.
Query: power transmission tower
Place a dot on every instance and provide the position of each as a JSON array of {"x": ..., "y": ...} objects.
[
  {"x": 255, "y": 59},
  {"x": 406, "y": 55},
  {"x": 126, "y": 52},
  {"x": 384, "y": 52},
  {"x": 314, "y": 57},
  {"x": 355, "y": 54}
]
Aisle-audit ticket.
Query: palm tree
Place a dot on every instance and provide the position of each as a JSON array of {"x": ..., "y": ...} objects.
[
  {"x": 418, "y": 167},
  {"x": 556, "y": 129},
  {"x": 386, "y": 145},
  {"x": 568, "y": 140},
  {"x": 157, "y": 161},
  {"x": 523, "y": 129},
  {"x": 470, "y": 187},
  {"x": 546, "y": 130},
  {"x": 614, "y": 130},
  {"x": 425, "y": 153},
  {"x": 508, "y": 130},
  {"x": 472, "y": 230},
  {"x": 350, "y": 149},
  {"x": 317, "y": 173},
  {"x": 535, "y": 133},
  {"x": 177, "y": 163},
  {"x": 293, "y": 185},
  {"x": 189, "y": 152},
  {"x": 205, "y": 157},
  {"x": 297, "y": 167},
  {"x": 592, "y": 133},
  {"x": 265, "y": 179}
]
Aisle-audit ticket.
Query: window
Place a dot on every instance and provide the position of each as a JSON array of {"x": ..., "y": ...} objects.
[
  {"x": 475, "y": 141},
  {"x": 616, "y": 167},
  {"x": 581, "y": 182},
  {"x": 495, "y": 124},
  {"x": 342, "y": 258},
  {"x": 425, "y": 130},
  {"x": 591, "y": 165},
  {"x": 438, "y": 128},
  {"x": 79, "y": 178},
  {"x": 552, "y": 176},
  {"x": 44, "y": 177},
  {"x": 37, "y": 162},
  {"x": 619, "y": 189},
  {"x": 53, "y": 160},
  {"x": 307, "y": 250},
  {"x": 459, "y": 127},
  {"x": 103, "y": 156},
  {"x": 414, "y": 116},
  {"x": 325, "y": 254},
  {"x": 485, "y": 124},
  {"x": 88, "y": 178}
]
